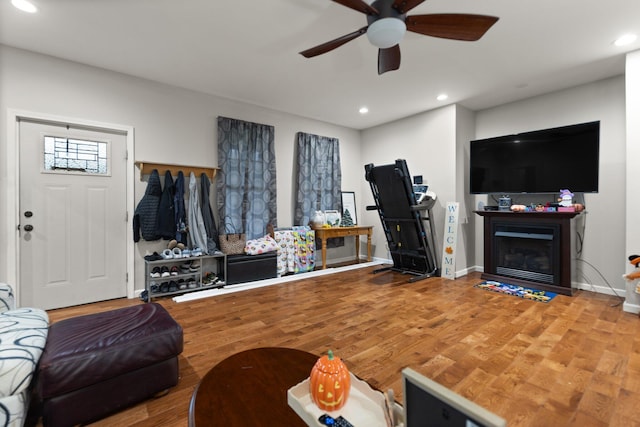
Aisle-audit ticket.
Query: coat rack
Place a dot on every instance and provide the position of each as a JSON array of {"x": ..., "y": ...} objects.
[{"x": 147, "y": 167}]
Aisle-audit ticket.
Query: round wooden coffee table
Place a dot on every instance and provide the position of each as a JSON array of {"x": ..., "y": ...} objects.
[{"x": 250, "y": 389}]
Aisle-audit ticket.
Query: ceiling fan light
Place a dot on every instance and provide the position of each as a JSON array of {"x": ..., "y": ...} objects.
[{"x": 386, "y": 32}]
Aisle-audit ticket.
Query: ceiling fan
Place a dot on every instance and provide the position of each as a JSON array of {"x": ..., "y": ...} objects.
[{"x": 387, "y": 22}]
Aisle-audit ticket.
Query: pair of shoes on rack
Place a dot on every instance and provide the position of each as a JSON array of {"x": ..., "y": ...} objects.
[
  {"x": 164, "y": 271},
  {"x": 174, "y": 244},
  {"x": 167, "y": 254},
  {"x": 171, "y": 286},
  {"x": 209, "y": 279},
  {"x": 156, "y": 272},
  {"x": 176, "y": 253},
  {"x": 153, "y": 257}
]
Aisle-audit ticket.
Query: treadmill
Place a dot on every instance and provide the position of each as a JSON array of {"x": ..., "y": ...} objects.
[{"x": 412, "y": 249}]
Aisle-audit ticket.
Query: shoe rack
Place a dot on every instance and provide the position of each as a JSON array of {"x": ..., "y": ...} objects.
[{"x": 176, "y": 276}]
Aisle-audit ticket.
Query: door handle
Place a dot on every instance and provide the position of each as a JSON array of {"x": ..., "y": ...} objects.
[{"x": 28, "y": 227}]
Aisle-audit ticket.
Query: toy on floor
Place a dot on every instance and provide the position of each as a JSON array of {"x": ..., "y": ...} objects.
[{"x": 634, "y": 275}]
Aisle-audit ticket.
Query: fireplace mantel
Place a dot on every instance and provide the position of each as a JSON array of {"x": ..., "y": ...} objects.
[
  {"x": 564, "y": 256},
  {"x": 528, "y": 215}
]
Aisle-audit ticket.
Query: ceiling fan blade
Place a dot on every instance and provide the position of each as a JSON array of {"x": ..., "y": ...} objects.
[
  {"x": 359, "y": 5},
  {"x": 453, "y": 26},
  {"x": 388, "y": 59},
  {"x": 404, "y": 6},
  {"x": 330, "y": 45}
]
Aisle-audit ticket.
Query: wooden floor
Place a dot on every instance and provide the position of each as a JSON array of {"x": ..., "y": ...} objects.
[{"x": 572, "y": 362}]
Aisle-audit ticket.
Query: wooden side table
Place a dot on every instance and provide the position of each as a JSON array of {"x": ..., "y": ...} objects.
[
  {"x": 250, "y": 389},
  {"x": 323, "y": 234}
]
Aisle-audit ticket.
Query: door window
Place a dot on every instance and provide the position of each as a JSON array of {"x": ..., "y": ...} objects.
[{"x": 71, "y": 155}]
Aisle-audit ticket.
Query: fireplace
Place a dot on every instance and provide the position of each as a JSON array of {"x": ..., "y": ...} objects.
[
  {"x": 527, "y": 251},
  {"x": 532, "y": 249}
]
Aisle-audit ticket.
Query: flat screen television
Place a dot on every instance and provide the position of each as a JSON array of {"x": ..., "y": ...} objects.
[
  {"x": 429, "y": 404},
  {"x": 541, "y": 161}
]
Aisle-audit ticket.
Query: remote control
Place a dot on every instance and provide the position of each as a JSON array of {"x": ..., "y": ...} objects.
[{"x": 328, "y": 420}]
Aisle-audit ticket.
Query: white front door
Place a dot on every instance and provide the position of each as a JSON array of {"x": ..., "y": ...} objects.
[{"x": 72, "y": 215}]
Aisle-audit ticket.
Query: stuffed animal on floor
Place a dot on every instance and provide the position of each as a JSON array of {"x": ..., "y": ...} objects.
[{"x": 635, "y": 261}]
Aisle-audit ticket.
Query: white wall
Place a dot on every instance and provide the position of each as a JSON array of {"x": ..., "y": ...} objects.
[
  {"x": 427, "y": 141},
  {"x": 172, "y": 125},
  {"x": 632, "y": 234},
  {"x": 465, "y": 132},
  {"x": 604, "y": 235}
]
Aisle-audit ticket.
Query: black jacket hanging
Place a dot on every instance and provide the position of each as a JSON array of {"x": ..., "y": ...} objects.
[
  {"x": 145, "y": 218},
  {"x": 180, "y": 211},
  {"x": 166, "y": 210},
  {"x": 207, "y": 214}
]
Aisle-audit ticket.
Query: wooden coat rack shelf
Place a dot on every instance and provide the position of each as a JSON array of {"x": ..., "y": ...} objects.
[{"x": 147, "y": 167}]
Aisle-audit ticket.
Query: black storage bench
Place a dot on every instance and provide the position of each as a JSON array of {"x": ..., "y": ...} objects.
[{"x": 247, "y": 268}]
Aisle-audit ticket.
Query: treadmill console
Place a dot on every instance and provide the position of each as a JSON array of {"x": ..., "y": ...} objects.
[
  {"x": 423, "y": 194},
  {"x": 420, "y": 192}
]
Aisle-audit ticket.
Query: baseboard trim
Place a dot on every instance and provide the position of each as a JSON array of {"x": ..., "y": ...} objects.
[
  {"x": 631, "y": 308},
  {"x": 599, "y": 289}
]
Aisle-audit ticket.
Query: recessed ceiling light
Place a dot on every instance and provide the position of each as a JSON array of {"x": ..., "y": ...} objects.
[
  {"x": 442, "y": 97},
  {"x": 25, "y": 6},
  {"x": 625, "y": 40},
  {"x": 363, "y": 110}
]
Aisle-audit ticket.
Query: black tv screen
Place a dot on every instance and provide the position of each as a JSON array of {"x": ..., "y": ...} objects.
[{"x": 541, "y": 161}]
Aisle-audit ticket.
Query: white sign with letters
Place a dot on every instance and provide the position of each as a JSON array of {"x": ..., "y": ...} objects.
[{"x": 450, "y": 240}]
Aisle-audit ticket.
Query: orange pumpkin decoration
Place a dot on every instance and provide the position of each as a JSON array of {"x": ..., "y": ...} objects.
[{"x": 329, "y": 383}]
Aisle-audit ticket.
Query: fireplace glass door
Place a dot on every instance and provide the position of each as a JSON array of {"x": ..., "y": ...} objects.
[{"x": 526, "y": 251}]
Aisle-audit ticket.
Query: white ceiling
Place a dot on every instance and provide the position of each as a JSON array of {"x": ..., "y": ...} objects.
[{"x": 247, "y": 50}]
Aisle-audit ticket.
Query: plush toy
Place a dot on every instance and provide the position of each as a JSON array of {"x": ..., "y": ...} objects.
[
  {"x": 635, "y": 261},
  {"x": 566, "y": 198}
]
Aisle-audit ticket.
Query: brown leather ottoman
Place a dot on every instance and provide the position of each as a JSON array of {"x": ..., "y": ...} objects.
[{"x": 97, "y": 364}]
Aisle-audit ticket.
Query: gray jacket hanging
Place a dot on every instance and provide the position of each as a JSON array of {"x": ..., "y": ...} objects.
[
  {"x": 207, "y": 214},
  {"x": 197, "y": 232}
]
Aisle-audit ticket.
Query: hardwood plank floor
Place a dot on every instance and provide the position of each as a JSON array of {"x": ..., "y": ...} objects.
[{"x": 572, "y": 362}]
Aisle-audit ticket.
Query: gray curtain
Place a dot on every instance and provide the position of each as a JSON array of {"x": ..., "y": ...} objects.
[
  {"x": 319, "y": 176},
  {"x": 246, "y": 182}
]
